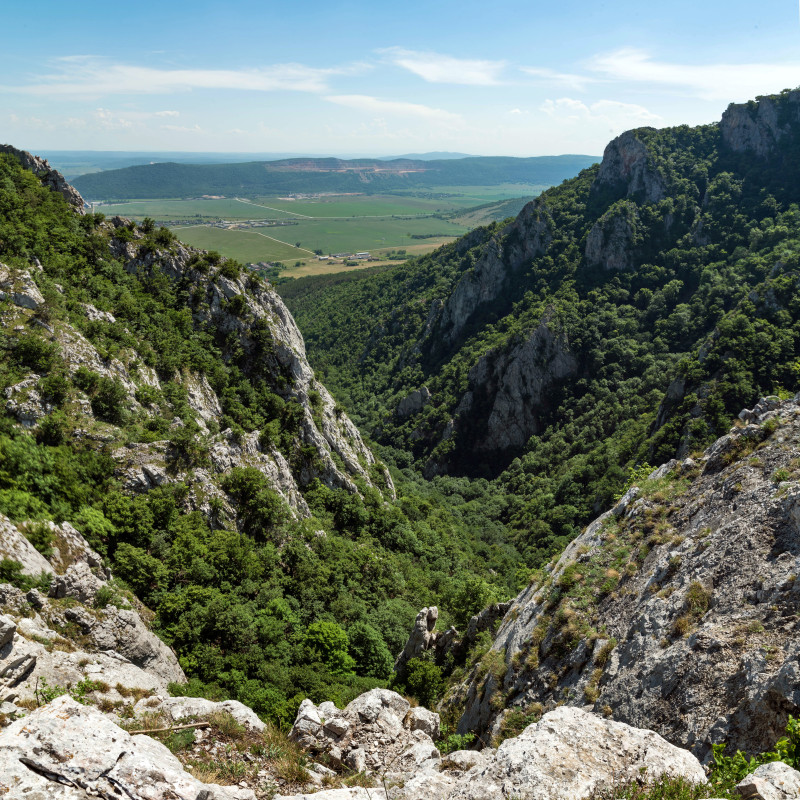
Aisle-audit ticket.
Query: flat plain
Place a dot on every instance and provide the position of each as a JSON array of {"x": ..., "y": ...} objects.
[{"x": 289, "y": 229}]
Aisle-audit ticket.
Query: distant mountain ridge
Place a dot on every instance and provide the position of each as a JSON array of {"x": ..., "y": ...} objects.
[{"x": 370, "y": 175}]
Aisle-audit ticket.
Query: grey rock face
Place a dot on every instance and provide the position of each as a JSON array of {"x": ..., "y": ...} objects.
[
  {"x": 421, "y": 638},
  {"x": 19, "y": 287},
  {"x": 610, "y": 242},
  {"x": 627, "y": 170},
  {"x": 514, "y": 384},
  {"x": 14, "y": 546},
  {"x": 568, "y": 755},
  {"x": 413, "y": 403},
  {"x": 756, "y": 127},
  {"x": 526, "y": 238},
  {"x": 115, "y": 638},
  {"x": 695, "y": 635},
  {"x": 70, "y": 751},
  {"x": 49, "y": 177}
]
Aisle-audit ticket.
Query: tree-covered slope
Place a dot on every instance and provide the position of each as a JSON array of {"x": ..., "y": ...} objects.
[
  {"x": 622, "y": 317},
  {"x": 324, "y": 175},
  {"x": 159, "y": 399}
]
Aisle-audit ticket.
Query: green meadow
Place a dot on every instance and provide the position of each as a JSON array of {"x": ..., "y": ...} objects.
[{"x": 417, "y": 221}]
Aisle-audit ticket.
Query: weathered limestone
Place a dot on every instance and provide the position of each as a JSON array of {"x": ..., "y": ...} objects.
[
  {"x": 571, "y": 753},
  {"x": 727, "y": 671},
  {"x": 69, "y": 751},
  {"x": 775, "y": 781},
  {"x": 377, "y": 733}
]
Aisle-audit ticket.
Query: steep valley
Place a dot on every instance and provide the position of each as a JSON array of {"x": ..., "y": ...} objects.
[{"x": 570, "y": 438}]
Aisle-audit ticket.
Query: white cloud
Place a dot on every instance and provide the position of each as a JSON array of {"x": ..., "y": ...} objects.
[
  {"x": 612, "y": 112},
  {"x": 568, "y": 79},
  {"x": 117, "y": 120},
  {"x": 438, "y": 68},
  {"x": 515, "y": 111},
  {"x": 707, "y": 81},
  {"x": 90, "y": 76},
  {"x": 183, "y": 128},
  {"x": 374, "y": 105}
]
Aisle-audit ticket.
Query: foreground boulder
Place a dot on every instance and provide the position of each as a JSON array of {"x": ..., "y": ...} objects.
[
  {"x": 568, "y": 755},
  {"x": 774, "y": 781},
  {"x": 571, "y": 753},
  {"x": 67, "y": 751}
]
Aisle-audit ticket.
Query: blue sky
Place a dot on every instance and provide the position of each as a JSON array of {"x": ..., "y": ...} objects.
[{"x": 512, "y": 78}]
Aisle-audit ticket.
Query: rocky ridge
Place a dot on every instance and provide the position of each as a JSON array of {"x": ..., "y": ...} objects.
[
  {"x": 675, "y": 611},
  {"x": 51, "y": 178},
  {"x": 341, "y": 453},
  {"x": 528, "y": 237}
]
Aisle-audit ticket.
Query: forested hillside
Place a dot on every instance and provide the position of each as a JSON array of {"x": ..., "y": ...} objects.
[
  {"x": 159, "y": 400},
  {"x": 324, "y": 175},
  {"x": 623, "y": 317}
]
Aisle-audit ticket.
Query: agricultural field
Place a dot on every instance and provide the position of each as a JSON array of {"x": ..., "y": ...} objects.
[{"x": 290, "y": 229}]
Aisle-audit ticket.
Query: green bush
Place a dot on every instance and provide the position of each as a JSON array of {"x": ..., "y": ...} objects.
[
  {"x": 328, "y": 643},
  {"x": 423, "y": 680},
  {"x": 369, "y": 651},
  {"x": 41, "y": 536},
  {"x": 36, "y": 353}
]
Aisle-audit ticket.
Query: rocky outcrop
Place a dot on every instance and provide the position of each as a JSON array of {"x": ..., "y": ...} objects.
[
  {"x": 69, "y": 751},
  {"x": 69, "y": 637},
  {"x": 628, "y": 170},
  {"x": 413, "y": 403},
  {"x": 569, "y": 755},
  {"x": 16, "y": 547},
  {"x": 511, "y": 387},
  {"x": 610, "y": 242},
  {"x": 507, "y": 252},
  {"x": 60, "y": 635},
  {"x": 424, "y": 636},
  {"x": 180, "y": 709},
  {"x": 49, "y": 177},
  {"x": 757, "y": 127},
  {"x": 378, "y": 733},
  {"x": 18, "y": 286},
  {"x": 675, "y": 612}
]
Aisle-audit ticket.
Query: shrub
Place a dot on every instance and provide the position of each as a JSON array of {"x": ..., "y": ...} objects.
[
  {"x": 41, "y": 536},
  {"x": 11, "y": 572},
  {"x": 423, "y": 680},
  {"x": 369, "y": 651},
  {"x": 36, "y": 353},
  {"x": 55, "y": 386},
  {"x": 328, "y": 643},
  {"x": 108, "y": 399}
]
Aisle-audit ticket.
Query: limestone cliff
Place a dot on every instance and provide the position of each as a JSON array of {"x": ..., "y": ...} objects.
[
  {"x": 506, "y": 253},
  {"x": 628, "y": 170},
  {"x": 511, "y": 386},
  {"x": 676, "y": 610},
  {"x": 758, "y": 126}
]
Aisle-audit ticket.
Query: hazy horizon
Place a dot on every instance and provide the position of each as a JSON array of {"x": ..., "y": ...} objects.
[{"x": 515, "y": 79}]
